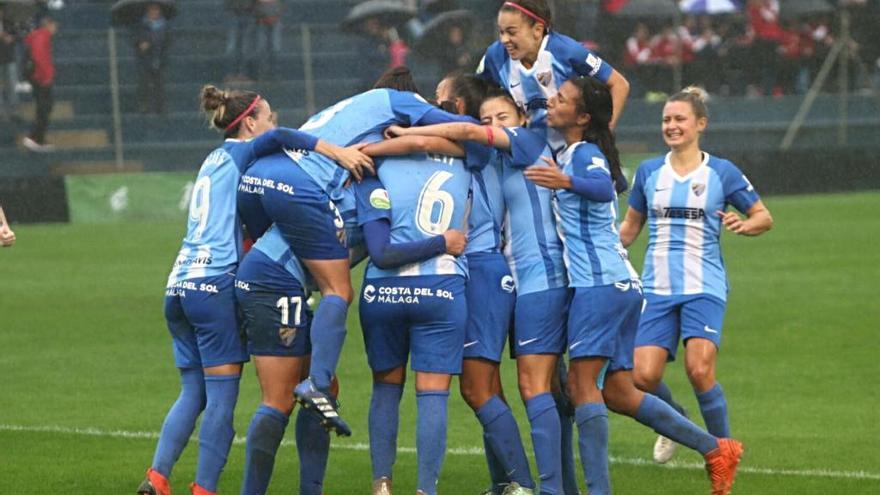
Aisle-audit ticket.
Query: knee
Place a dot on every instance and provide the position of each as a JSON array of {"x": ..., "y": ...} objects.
[
  {"x": 473, "y": 395},
  {"x": 647, "y": 380},
  {"x": 701, "y": 376}
]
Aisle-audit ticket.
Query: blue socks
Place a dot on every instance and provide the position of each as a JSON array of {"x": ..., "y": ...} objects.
[
  {"x": 546, "y": 438},
  {"x": 328, "y": 335},
  {"x": 313, "y": 446},
  {"x": 180, "y": 421},
  {"x": 216, "y": 433},
  {"x": 665, "y": 393},
  {"x": 383, "y": 419},
  {"x": 713, "y": 405},
  {"x": 569, "y": 477},
  {"x": 496, "y": 470},
  {"x": 503, "y": 444},
  {"x": 592, "y": 420},
  {"x": 663, "y": 419},
  {"x": 431, "y": 437},
  {"x": 263, "y": 437}
]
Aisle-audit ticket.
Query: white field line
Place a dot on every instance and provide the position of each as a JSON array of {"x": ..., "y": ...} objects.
[{"x": 630, "y": 461}]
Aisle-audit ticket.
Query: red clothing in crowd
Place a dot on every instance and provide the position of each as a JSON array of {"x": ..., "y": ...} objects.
[
  {"x": 39, "y": 41},
  {"x": 764, "y": 19}
]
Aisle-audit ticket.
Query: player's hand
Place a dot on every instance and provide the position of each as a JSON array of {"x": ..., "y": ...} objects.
[
  {"x": 456, "y": 241},
  {"x": 550, "y": 177},
  {"x": 394, "y": 131},
  {"x": 353, "y": 160},
  {"x": 732, "y": 221},
  {"x": 7, "y": 236}
]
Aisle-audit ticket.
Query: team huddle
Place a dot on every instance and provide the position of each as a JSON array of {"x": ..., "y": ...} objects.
[{"x": 486, "y": 219}]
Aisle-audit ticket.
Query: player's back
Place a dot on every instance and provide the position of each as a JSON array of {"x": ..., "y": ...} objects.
[
  {"x": 487, "y": 210},
  {"x": 271, "y": 264},
  {"x": 428, "y": 195}
]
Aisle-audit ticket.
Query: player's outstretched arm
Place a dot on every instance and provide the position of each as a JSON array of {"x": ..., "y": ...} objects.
[
  {"x": 631, "y": 226},
  {"x": 758, "y": 220},
  {"x": 386, "y": 255},
  {"x": 405, "y": 145},
  {"x": 351, "y": 158},
  {"x": 457, "y": 131},
  {"x": 619, "y": 88}
]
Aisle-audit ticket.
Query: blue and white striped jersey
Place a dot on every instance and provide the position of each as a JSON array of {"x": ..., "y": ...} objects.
[
  {"x": 487, "y": 210},
  {"x": 559, "y": 59},
  {"x": 533, "y": 248},
  {"x": 428, "y": 194},
  {"x": 594, "y": 255},
  {"x": 684, "y": 250}
]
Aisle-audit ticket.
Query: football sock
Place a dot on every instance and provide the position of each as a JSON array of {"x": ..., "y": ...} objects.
[
  {"x": 313, "y": 446},
  {"x": 383, "y": 420},
  {"x": 180, "y": 421},
  {"x": 546, "y": 438},
  {"x": 665, "y": 393},
  {"x": 496, "y": 470},
  {"x": 501, "y": 434},
  {"x": 663, "y": 419},
  {"x": 713, "y": 405},
  {"x": 569, "y": 476},
  {"x": 263, "y": 437},
  {"x": 216, "y": 433},
  {"x": 328, "y": 335},
  {"x": 592, "y": 421},
  {"x": 431, "y": 437}
]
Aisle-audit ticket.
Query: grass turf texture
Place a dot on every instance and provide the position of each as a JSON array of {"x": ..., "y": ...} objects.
[{"x": 85, "y": 346}]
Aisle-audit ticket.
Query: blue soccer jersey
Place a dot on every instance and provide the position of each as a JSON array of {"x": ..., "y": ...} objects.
[
  {"x": 533, "y": 248},
  {"x": 559, "y": 59},
  {"x": 359, "y": 119},
  {"x": 684, "y": 250},
  {"x": 212, "y": 245},
  {"x": 487, "y": 210},
  {"x": 277, "y": 269},
  {"x": 427, "y": 195},
  {"x": 594, "y": 255}
]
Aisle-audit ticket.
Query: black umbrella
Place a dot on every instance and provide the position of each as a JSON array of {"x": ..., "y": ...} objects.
[
  {"x": 649, "y": 8},
  {"x": 388, "y": 12},
  {"x": 435, "y": 34},
  {"x": 125, "y": 12},
  {"x": 439, "y": 6},
  {"x": 791, "y": 9},
  {"x": 18, "y": 10}
]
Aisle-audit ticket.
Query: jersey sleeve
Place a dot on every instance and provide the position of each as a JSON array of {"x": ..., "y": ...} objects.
[
  {"x": 738, "y": 191},
  {"x": 283, "y": 137},
  {"x": 408, "y": 108},
  {"x": 373, "y": 202},
  {"x": 582, "y": 60},
  {"x": 477, "y": 155},
  {"x": 637, "y": 199},
  {"x": 526, "y": 147},
  {"x": 490, "y": 64},
  {"x": 591, "y": 177}
]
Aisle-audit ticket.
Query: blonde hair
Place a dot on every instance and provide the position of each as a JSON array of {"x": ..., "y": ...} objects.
[{"x": 697, "y": 96}]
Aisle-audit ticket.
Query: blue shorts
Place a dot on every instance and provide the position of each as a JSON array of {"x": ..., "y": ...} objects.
[
  {"x": 203, "y": 320},
  {"x": 276, "y": 321},
  {"x": 424, "y": 316},
  {"x": 491, "y": 294},
  {"x": 602, "y": 322},
  {"x": 665, "y": 319},
  {"x": 307, "y": 218},
  {"x": 540, "y": 319}
]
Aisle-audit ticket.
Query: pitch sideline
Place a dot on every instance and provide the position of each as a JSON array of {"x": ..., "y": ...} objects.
[{"x": 150, "y": 435}]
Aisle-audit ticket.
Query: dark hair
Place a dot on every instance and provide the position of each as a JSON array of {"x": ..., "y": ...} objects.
[
  {"x": 496, "y": 92},
  {"x": 696, "y": 96},
  {"x": 399, "y": 78},
  {"x": 538, "y": 7},
  {"x": 223, "y": 107},
  {"x": 470, "y": 88},
  {"x": 596, "y": 101}
]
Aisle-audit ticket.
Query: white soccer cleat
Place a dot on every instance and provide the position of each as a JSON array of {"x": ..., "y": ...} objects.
[
  {"x": 515, "y": 489},
  {"x": 664, "y": 449},
  {"x": 382, "y": 486}
]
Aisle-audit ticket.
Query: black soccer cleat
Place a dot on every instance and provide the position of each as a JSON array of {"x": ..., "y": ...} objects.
[{"x": 323, "y": 405}]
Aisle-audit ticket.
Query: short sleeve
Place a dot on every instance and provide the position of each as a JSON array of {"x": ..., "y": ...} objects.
[
  {"x": 477, "y": 155},
  {"x": 489, "y": 64},
  {"x": 373, "y": 202},
  {"x": 586, "y": 160},
  {"x": 738, "y": 191},
  {"x": 408, "y": 107},
  {"x": 526, "y": 147},
  {"x": 582, "y": 60},
  {"x": 637, "y": 199}
]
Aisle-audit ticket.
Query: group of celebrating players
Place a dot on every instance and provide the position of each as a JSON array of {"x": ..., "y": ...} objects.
[{"x": 496, "y": 210}]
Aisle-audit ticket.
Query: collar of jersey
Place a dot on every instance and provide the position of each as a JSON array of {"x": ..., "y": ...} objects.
[
  {"x": 685, "y": 178},
  {"x": 541, "y": 50}
]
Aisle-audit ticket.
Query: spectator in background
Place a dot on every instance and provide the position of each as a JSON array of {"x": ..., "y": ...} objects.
[
  {"x": 670, "y": 51},
  {"x": 239, "y": 36},
  {"x": 8, "y": 67},
  {"x": 793, "y": 75},
  {"x": 639, "y": 59},
  {"x": 382, "y": 50},
  {"x": 764, "y": 20},
  {"x": 705, "y": 45},
  {"x": 267, "y": 46},
  {"x": 735, "y": 55},
  {"x": 39, "y": 44},
  {"x": 456, "y": 55},
  {"x": 152, "y": 41}
]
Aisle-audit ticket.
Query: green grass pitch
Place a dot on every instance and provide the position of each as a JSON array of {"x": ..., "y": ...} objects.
[{"x": 86, "y": 373}]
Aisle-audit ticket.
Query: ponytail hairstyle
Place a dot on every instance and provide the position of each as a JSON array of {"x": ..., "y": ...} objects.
[
  {"x": 226, "y": 110},
  {"x": 697, "y": 97},
  {"x": 471, "y": 89},
  {"x": 399, "y": 78},
  {"x": 596, "y": 102},
  {"x": 534, "y": 11}
]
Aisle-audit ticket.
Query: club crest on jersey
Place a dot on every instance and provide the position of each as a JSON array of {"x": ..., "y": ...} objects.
[
  {"x": 507, "y": 284},
  {"x": 379, "y": 199},
  {"x": 287, "y": 335},
  {"x": 698, "y": 188},
  {"x": 545, "y": 77}
]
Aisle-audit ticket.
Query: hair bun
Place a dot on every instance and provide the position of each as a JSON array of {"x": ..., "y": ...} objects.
[{"x": 697, "y": 91}]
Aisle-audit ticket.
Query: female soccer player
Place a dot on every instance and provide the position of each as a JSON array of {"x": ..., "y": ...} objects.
[
  {"x": 199, "y": 304},
  {"x": 607, "y": 298},
  {"x": 532, "y": 61},
  {"x": 535, "y": 257},
  {"x": 684, "y": 197}
]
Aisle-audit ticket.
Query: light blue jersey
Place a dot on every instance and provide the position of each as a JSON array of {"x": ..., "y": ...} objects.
[
  {"x": 428, "y": 195},
  {"x": 212, "y": 245},
  {"x": 533, "y": 248},
  {"x": 684, "y": 251},
  {"x": 559, "y": 59},
  {"x": 487, "y": 210},
  {"x": 359, "y": 119},
  {"x": 594, "y": 255},
  {"x": 284, "y": 266}
]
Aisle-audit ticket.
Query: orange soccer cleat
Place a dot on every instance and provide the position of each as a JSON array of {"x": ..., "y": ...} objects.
[
  {"x": 197, "y": 490},
  {"x": 154, "y": 484},
  {"x": 721, "y": 464}
]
